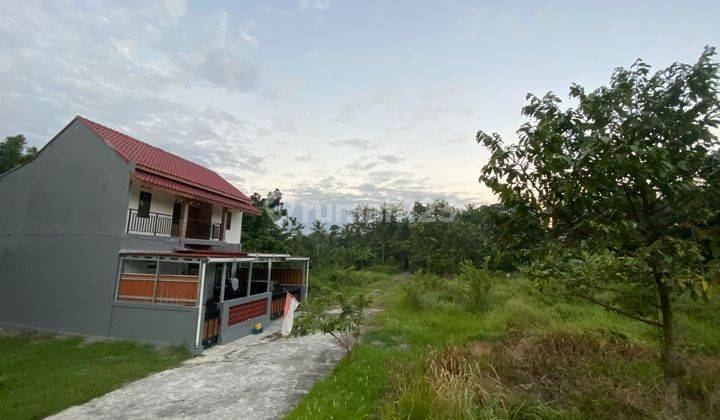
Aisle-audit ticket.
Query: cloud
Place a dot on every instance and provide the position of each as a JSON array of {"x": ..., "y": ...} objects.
[
  {"x": 332, "y": 201},
  {"x": 175, "y": 8},
  {"x": 122, "y": 66},
  {"x": 315, "y": 4},
  {"x": 249, "y": 40},
  {"x": 426, "y": 114},
  {"x": 390, "y": 158},
  {"x": 351, "y": 108},
  {"x": 354, "y": 142},
  {"x": 363, "y": 165},
  {"x": 307, "y": 157},
  {"x": 458, "y": 139},
  {"x": 367, "y": 162}
]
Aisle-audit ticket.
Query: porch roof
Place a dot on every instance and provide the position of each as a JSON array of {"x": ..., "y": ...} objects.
[
  {"x": 212, "y": 255},
  {"x": 185, "y": 189}
]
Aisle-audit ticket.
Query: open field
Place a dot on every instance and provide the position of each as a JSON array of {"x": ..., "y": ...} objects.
[
  {"x": 522, "y": 355},
  {"x": 41, "y": 375}
]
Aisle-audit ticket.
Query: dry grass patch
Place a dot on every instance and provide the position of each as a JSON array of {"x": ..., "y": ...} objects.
[{"x": 550, "y": 375}]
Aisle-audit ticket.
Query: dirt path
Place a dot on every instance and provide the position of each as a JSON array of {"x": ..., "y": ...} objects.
[{"x": 258, "y": 377}]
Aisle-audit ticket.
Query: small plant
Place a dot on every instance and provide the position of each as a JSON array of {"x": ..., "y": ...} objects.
[
  {"x": 426, "y": 289},
  {"x": 478, "y": 280},
  {"x": 343, "y": 326}
]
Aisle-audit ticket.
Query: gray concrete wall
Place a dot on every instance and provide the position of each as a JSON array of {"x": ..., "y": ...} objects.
[
  {"x": 160, "y": 324},
  {"x": 229, "y": 333},
  {"x": 62, "y": 222}
]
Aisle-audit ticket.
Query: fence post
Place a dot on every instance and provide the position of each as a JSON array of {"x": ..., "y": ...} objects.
[{"x": 155, "y": 227}]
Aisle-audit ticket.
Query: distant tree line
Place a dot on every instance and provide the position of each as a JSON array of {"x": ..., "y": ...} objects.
[{"x": 432, "y": 236}]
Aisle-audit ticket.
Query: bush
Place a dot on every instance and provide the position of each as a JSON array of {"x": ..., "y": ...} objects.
[
  {"x": 425, "y": 290},
  {"x": 478, "y": 281},
  {"x": 343, "y": 326},
  {"x": 326, "y": 284}
]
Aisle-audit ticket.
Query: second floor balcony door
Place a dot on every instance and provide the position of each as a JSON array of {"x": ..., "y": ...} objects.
[{"x": 199, "y": 221}]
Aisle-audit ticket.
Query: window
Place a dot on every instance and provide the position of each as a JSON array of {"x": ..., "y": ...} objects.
[
  {"x": 177, "y": 208},
  {"x": 170, "y": 283},
  {"x": 144, "y": 204},
  {"x": 228, "y": 219}
]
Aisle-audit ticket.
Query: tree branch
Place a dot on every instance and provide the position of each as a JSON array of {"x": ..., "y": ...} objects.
[{"x": 621, "y": 312}]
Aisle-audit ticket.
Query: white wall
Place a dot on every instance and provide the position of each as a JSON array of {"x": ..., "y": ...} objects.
[
  {"x": 161, "y": 201},
  {"x": 232, "y": 236}
]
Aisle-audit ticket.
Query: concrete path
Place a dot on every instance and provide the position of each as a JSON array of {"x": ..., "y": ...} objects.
[{"x": 257, "y": 377}]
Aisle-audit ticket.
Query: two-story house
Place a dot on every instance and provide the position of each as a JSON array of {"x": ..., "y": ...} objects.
[{"x": 104, "y": 235}]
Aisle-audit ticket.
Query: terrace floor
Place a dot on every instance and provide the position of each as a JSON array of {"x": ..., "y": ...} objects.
[{"x": 257, "y": 377}]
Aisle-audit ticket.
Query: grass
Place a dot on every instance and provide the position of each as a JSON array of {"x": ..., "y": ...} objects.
[
  {"x": 524, "y": 355},
  {"x": 41, "y": 375}
]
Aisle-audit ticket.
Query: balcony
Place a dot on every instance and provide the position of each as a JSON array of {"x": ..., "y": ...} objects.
[
  {"x": 202, "y": 229},
  {"x": 156, "y": 224},
  {"x": 160, "y": 224}
]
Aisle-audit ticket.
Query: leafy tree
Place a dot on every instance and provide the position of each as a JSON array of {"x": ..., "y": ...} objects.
[
  {"x": 627, "y": 181},
  {"x": 273, "y": 230},
  {"x": 14, "y": 151}
]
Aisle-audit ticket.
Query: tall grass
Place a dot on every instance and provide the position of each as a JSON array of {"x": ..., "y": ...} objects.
[{"x": 431, "y": 354}]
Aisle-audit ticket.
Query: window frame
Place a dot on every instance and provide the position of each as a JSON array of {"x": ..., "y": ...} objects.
[{"x": 144, "y": 204}]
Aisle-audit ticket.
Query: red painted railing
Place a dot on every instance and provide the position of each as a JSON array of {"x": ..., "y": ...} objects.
[{"x": 248, "y": 310}]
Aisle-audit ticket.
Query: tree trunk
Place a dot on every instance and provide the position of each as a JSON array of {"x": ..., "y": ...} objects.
[{"x": 672, "y": 368}]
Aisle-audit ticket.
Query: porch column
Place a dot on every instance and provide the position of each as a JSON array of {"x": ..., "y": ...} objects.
[
  {"x": 249, "y": 285},
  {"x": 222, "y": 282},
  {"x": 157, "y": 275},
  {"x": 268, "y": 308},
  {"x": 201, "y": 306},
  {"x": 306, "y": 280},
  {"x": 240, "y": 238},
  {"x": 183, "y": 222}
]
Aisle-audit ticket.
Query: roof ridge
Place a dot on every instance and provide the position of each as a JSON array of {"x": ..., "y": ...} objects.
[{"x": 87, "y": 120}]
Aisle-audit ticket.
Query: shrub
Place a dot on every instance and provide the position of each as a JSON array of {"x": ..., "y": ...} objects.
[
  {"x": 478, "y": 281},
  {"x": 343, "y": 326}
]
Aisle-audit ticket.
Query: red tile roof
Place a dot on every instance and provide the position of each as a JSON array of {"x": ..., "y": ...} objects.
[
  {"x": 167, "y": 183},
  {"x": 158, "y": 167}
]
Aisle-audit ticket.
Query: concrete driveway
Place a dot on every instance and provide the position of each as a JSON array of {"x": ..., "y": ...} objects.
[{"x": 258, "y": 377}]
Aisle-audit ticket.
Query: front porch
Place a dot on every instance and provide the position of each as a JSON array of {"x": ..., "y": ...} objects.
[{"x": 228, "y": 292}]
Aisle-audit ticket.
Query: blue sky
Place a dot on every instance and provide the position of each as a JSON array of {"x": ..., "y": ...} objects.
[{"x": 333, "y": 102}]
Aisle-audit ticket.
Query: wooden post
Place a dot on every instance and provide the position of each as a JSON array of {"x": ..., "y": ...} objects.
[
  {"x": 222, "y": 224},
  {"x": 183, "y": 222},
  {"x": 240, "y": 238}
]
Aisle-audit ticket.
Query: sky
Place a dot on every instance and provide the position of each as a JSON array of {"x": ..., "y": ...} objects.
[{"x": 335, "y": 103}]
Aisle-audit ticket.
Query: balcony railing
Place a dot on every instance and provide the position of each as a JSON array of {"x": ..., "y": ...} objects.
[
  {"x": 155, "y": 224},
  {"x": 159, "y": 224}
]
